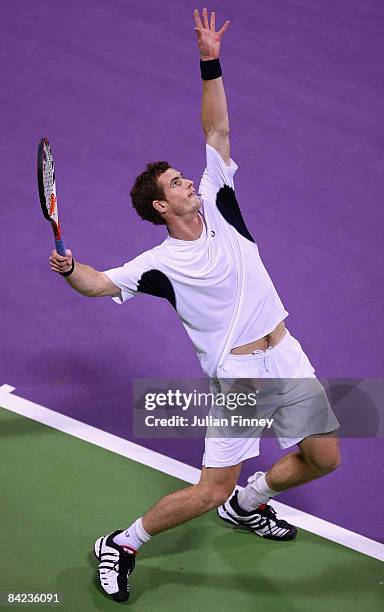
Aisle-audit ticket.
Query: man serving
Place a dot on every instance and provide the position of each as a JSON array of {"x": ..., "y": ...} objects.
[{"x": 210, "y": 270}]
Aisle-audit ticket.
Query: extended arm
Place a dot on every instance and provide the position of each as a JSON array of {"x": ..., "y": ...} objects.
[
  {"x": 84, "y": 279},
  {"x": 214, "y": 114}
]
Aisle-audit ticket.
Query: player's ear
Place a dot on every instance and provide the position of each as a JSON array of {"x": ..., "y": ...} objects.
[{"x": 160, "y": 205}]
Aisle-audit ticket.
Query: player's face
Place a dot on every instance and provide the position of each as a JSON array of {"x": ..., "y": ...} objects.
[{"x": 179, "y": 192}]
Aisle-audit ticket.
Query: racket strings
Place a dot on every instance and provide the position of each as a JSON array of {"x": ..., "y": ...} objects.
[{"x": 49, "y": 185}]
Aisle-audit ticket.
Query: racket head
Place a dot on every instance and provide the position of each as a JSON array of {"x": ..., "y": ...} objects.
[{"x": 46, "y": 181}]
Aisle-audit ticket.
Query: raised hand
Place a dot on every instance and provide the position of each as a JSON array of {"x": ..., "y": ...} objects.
[{"x": 208, "y": 39}]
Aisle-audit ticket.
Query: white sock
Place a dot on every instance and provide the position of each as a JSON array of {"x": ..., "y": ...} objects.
[
  {"x": 133, "y": 537},
  {"x": 255, "y": 493}
]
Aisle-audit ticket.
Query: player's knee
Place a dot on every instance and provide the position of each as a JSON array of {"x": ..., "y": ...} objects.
[
  {"x": 335, "y": 460},
  {"x": 326, "y": 462},
  {"x": 321, "y": 454},
  {"x": 329, "y": 464}
]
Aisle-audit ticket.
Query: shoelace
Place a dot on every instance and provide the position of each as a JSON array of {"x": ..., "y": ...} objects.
[
  {"x": 270, "y": 514},
  {"x": 108, "y": 568},
  {"x": 126, "y": 563}
]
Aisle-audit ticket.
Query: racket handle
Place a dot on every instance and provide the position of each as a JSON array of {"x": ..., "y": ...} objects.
[{"x": 60, "y": 247}]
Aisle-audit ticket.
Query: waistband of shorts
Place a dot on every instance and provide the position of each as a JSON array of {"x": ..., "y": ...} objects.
[{"x": 258, "y": 354}]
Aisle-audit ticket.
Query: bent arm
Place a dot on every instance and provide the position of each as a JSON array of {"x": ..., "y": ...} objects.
[
  {"x": 88, "y": 281},
  {"x": 84, "y": 279}
]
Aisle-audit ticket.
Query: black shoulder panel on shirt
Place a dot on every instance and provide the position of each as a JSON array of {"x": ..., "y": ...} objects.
[
  {"x": 227, "y": 204},
  {"x": 157, "y": 283}
]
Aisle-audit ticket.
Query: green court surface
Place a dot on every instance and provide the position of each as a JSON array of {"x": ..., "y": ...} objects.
[{"x": 60, "y": 493}]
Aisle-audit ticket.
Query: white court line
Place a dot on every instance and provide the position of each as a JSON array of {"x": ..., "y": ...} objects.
[
  {"x": 175, "y": 468},
  {"x": 6, "y": 389}
]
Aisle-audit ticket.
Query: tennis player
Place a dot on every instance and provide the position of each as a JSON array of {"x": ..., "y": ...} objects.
[{"x": 210, "y": 270}]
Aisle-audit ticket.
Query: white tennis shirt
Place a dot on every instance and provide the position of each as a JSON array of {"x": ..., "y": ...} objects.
[{"x": 217, "y": 283}]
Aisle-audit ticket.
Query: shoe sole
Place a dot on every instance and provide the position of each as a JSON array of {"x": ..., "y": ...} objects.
[
  {"x": 97, "y": 548},
  {"x": 223, "y": 514}
]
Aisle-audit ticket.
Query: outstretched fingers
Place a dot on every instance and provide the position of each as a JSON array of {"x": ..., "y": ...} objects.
[
  {"x": 205, "y": 24},
  {"x": 223, "y": 29},
  {"x": 208, "y": 24},
  {"x": 205, "y": 19},
  {"x": 198, "y": 24},
  {"x": 213, "y": 21}
]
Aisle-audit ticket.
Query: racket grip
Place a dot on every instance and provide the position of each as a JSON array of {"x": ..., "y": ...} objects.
[{"x": 60, "y": 246}]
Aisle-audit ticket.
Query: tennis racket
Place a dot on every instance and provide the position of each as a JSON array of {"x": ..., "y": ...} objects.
[{"x": 46, "y": 180}]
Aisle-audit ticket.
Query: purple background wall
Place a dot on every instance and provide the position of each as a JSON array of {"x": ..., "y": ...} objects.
[{"x": 116, "y": 84}]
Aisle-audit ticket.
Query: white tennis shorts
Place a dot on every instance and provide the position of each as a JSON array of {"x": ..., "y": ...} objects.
[{"x": 295, "y": 400}]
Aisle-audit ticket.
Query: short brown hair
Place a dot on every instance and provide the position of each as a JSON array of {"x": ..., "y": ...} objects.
[{"x": 146, "y": 189}]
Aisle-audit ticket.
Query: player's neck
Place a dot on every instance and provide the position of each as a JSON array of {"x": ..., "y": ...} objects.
[{"x": 186, "y": 228}]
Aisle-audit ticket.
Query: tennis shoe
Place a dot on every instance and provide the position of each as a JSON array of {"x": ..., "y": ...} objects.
[
  {"x": 115, "y": 565},
  {"x": 262, "y": 521}
]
